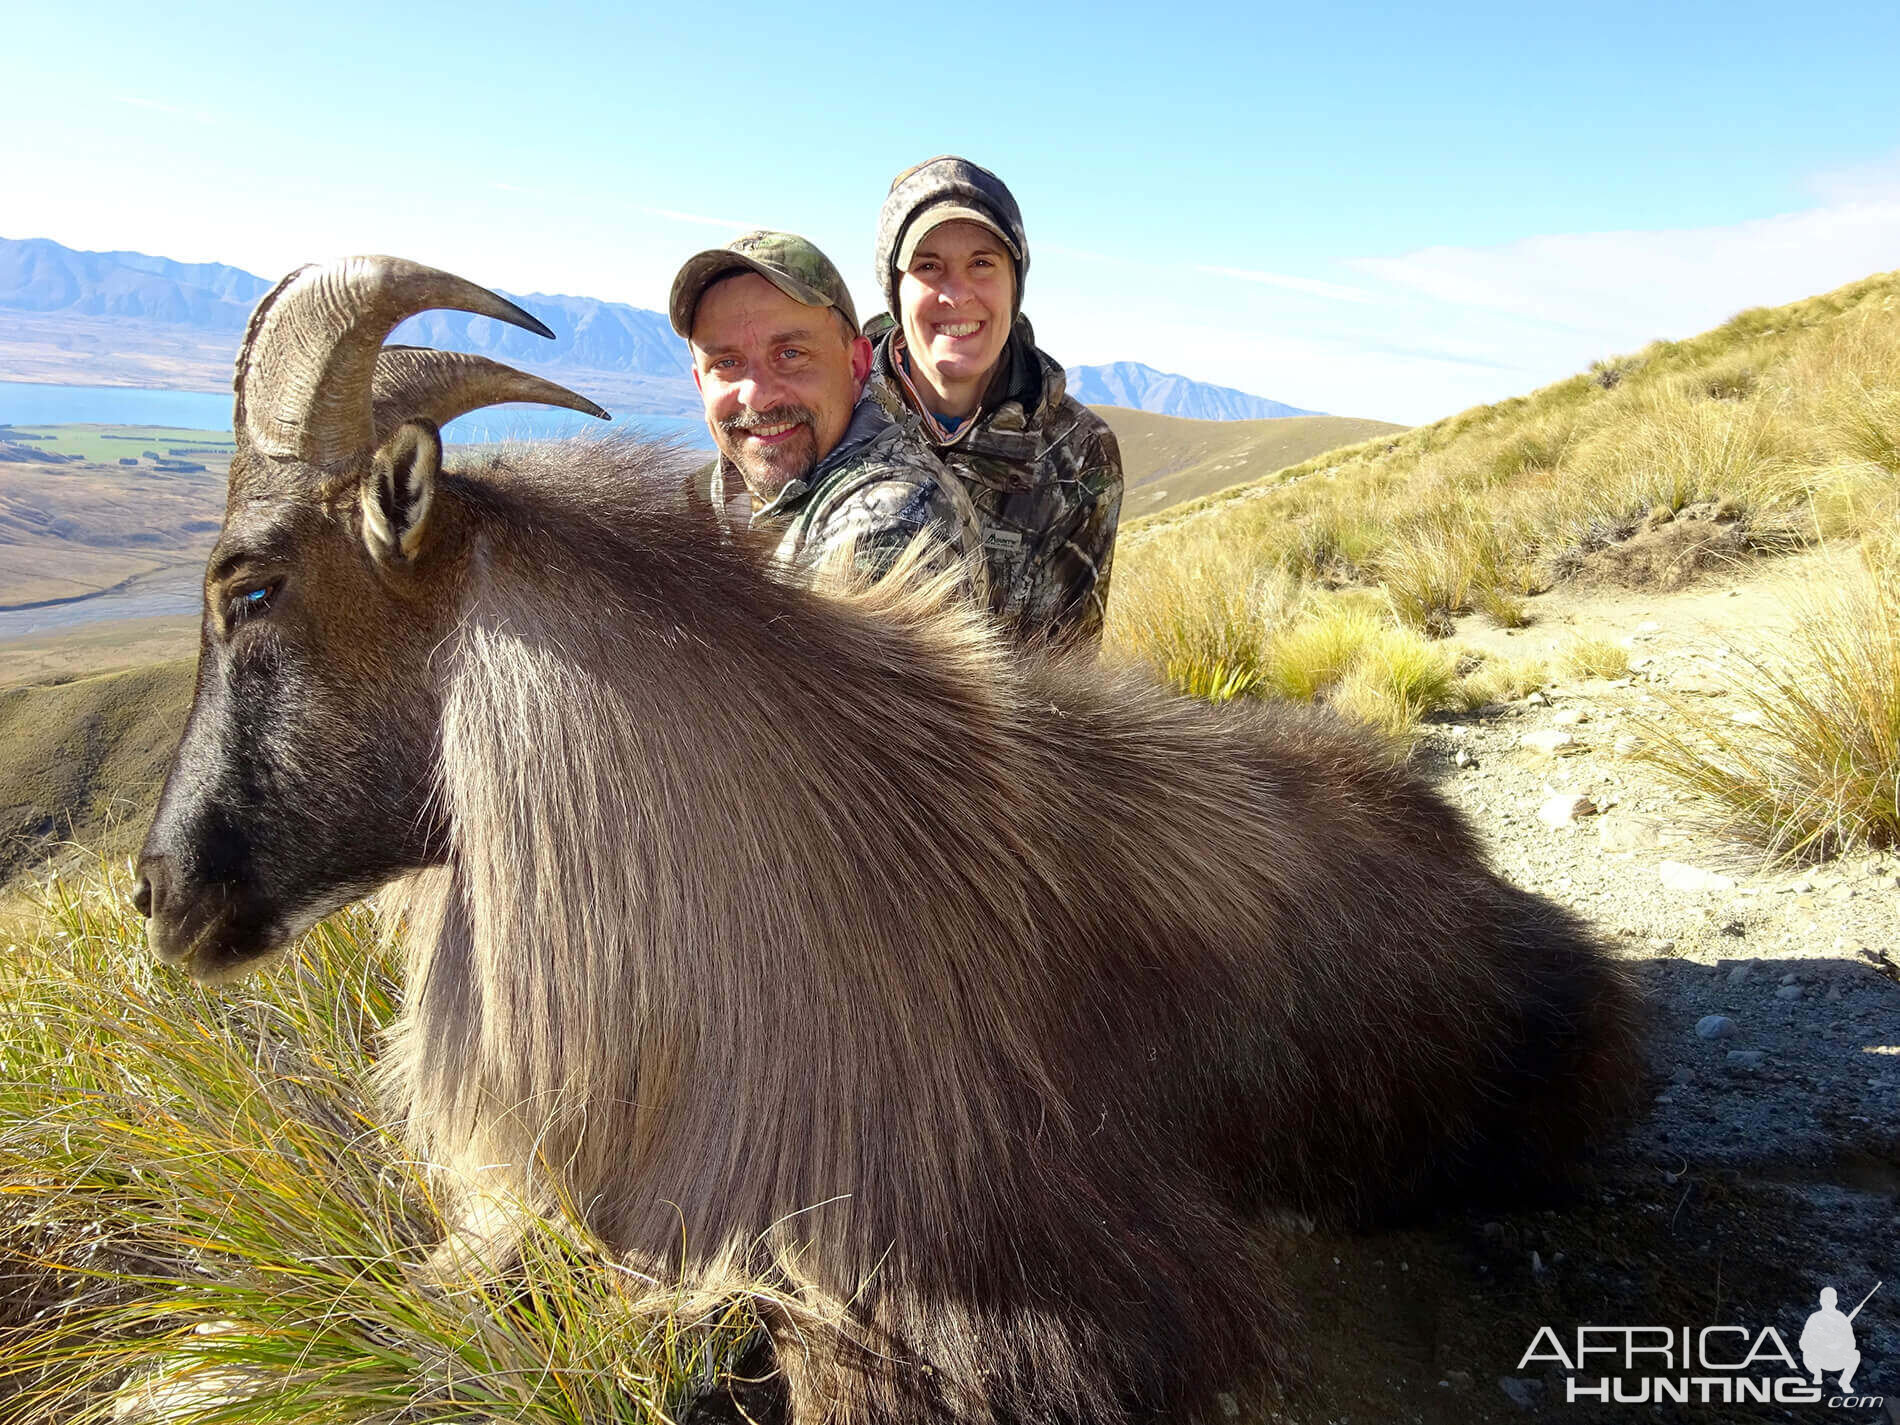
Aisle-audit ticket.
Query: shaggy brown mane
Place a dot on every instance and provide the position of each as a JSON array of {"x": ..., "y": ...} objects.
[{"x": 992, "y": 1001}]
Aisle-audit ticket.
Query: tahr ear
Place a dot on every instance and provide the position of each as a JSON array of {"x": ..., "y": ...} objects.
[{"x": 399, "y": 494}]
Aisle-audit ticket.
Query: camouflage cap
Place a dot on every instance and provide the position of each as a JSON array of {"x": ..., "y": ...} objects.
[
  {"x": 942, "y": 190},
  {"x": 787, "y": 261}
]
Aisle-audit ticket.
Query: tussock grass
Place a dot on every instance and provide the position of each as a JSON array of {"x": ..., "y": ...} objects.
[
  {"x": 1206, "y": 623},
  {"x": 1816, "y": 768},
  {"x": 196, "y": 1195},
  {"x": 1228, "y": 623},
  {"x": 1585, "y": 657},
  {"x": 1779, "y": 411},
  {"x": 1396, "y": 679},
  {"x": 1309, "y": 657},
  {"x": 1776, "y": 430},
  {"x": 1499, "y": 680}
]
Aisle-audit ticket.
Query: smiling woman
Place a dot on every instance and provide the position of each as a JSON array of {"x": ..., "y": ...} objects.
[{"x": 959, "y": 362}]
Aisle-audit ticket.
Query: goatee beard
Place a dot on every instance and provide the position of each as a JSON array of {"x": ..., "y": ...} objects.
[{"x": 763, "y": 474}]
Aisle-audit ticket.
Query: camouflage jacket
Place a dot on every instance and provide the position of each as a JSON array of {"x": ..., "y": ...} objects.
[
  {"x": 877, "y": 490},
  {"x": 1044, "y": 474}
]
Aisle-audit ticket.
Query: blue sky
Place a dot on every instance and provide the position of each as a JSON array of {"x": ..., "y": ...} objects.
[{"x": 1375, "y": 210}]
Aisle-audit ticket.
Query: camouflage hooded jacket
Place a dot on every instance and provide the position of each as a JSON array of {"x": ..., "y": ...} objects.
[{"x": 1044, "y": 474}]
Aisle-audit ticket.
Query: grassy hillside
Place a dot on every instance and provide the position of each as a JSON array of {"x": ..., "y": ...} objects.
[
  {"x": 1339, "y": 578},
  {"x": 83, "y": 761},
  {"x": 1167, "y": 460},
  {"x": 1777, "y": 429},
  {"x": 1790, "y": 414}
]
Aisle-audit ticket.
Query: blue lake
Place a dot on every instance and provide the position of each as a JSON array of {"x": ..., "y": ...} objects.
[{"x": 27, "y": 403}]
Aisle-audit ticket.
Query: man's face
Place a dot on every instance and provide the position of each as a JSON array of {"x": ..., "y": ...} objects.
[{"x": 778, "y": 379}]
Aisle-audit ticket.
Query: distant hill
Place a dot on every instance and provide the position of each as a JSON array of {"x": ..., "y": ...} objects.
[
  {"x": 1166, "y": 460},
  {"x": 125, "y": 318},
  {"x": 39, "y": 275},
  {"x": 84, "y": 760},
  {"x": 129, "y": 319},
  {"x": 1142, "y": 388}
]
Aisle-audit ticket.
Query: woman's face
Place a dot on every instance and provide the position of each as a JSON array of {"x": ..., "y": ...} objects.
[{"x": 955, "y": 301}]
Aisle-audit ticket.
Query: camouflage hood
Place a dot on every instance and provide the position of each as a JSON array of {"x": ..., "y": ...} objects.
[{"x": 952, "y": 183}]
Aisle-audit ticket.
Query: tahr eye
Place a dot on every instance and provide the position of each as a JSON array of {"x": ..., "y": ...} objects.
[{"x": 249, "y": 603}]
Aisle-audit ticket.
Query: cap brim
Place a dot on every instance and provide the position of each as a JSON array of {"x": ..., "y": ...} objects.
[
  {"x": 935, "y": 216},
  {"x": 701, "y": 271}
]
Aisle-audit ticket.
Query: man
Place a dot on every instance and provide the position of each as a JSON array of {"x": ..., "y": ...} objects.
[{"x": 780, "y": 365}]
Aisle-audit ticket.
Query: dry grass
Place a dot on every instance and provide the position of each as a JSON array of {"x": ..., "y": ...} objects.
[
  {"x": 1786, "y": 415},
  {"x": 1779, "y": 429},
  {"x": 1814, "y": 767},
  {"x": 1593, "y": 658},
  {"x": 194, "y": 1187},
  {"x": 1228, "y": 623}
]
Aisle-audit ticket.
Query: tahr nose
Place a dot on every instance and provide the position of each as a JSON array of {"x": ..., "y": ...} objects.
[{"x": 149, "y": 893}]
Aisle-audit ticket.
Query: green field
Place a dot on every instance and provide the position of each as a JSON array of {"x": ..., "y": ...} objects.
[{"x": 106, "y": 445}]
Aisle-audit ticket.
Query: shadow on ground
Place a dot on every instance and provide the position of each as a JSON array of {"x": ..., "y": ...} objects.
[{"x": 1732, "y": 1202}]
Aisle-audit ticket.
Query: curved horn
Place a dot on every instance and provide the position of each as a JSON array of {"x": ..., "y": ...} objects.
[
  {"x": 412, "y": 381},
  {"x": 304, "y": 371}
]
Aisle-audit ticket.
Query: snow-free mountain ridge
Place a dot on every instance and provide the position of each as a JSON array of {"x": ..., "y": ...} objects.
[{"x": 646, "y": 364}]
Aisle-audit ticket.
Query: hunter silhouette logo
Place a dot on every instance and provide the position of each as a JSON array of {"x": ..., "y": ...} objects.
[
  {"x": 1708, "y": 1365},
  {"x": 1827, "y": 1341}
]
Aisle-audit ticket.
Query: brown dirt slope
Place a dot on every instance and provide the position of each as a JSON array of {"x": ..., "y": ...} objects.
[
  {"x": 72, "y": 528},
  {"x": 1167, "y": 459},
  {"x": 83, "y": 761}
]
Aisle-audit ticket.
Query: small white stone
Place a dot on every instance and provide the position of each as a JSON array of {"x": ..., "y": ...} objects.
[
  {"x": 1677, "y": 876},
  {"x": 1564, "y": 808},
  {"x": 1626, "y": 831},
  {"x": 1552, "y": 742}
]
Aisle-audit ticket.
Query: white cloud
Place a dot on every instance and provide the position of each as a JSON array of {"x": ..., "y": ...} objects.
[
  {"x": 1433, "y": 331},
  {"x": 1629, "y": 287}
]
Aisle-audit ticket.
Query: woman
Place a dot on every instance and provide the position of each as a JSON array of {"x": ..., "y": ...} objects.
[{"x": 960, "y": 363}]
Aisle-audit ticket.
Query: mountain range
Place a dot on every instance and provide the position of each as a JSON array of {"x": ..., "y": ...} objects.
[
  {"x": 1142, "y": 388},
  {"x": 126, "y": 318}
]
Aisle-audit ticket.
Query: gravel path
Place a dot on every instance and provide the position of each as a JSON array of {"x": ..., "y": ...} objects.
[{"x": 1767, "y": 1163}]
